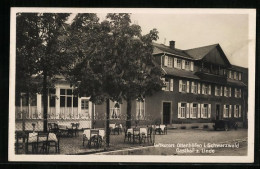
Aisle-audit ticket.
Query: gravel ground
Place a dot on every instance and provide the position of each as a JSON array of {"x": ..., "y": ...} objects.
[{"x": 199, "y": 137}]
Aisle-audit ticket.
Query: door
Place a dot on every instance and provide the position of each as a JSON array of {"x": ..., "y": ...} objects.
[
  {"x": 218, "y": 115},
  {"x": 166, "y": 112},
  {"x": 84, "y": 108}
]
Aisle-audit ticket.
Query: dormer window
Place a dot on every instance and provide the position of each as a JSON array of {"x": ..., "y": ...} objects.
[
  {"x": 170, "y": 61},
  {"x": 187, "y": 65},
  {"x": 179, "y": 63}
]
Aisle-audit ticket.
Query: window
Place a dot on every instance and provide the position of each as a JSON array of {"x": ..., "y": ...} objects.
[
  {"x": 237, "y": 93},
  {"x": 184, "y": 86},
  {"x": 227, "y": 91},
  {"x": 218, "y": 90},
  {"x": 168, "y": 84},
  {"x": 84, "y": 104},
  {"x": 179, "y": 63},
  {"x": 232, "y": 75},
  {"x": 237, "y": 111},
  {"x": 140, "y": 111},
  {"x": 67, "y": 99},
  {"x": 239, "y": 76},
  {"x": 194, "y": 87},
  {"x": 182, "y": 108},
  {"x": 194, "y": 110},
  {"x": 170, "y": 61},
  {"x": 114, "y": 110},
  {"x": 206, "y": 89},
  {"x": 187, "y": 65},
  {"x": 205, "y": 111},
  {"x": 235, "y": 76},
  {"x": 52, "y": 99},
  {"x": 227, "y": 111}
]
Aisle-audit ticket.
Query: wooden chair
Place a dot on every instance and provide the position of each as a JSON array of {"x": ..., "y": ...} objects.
[
  {"x": 75, "y": 128},
  {"x": 128, "y": 135},
  {"x": 42, "y": 142},
  {"x": 94, "y": 138},
  {"x": 136, "y": 135},
  {"x": 19, "y": 141},
  {"x": 148, "y": 136},
  {"x": 31, "y": 141},
  {"x": 52, "y": 142}
]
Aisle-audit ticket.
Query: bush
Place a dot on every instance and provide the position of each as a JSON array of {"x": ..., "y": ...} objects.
[
  {"x": 205, "y": 126},
  {"x": 183, "y": 127},
  {"x": 194, "y": 127}
]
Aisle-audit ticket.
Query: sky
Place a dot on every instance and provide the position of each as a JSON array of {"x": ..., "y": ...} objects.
[{"x": 197, "y": 30}]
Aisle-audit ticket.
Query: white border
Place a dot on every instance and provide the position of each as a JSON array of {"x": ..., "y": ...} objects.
[{"x": 144, "y": 158}]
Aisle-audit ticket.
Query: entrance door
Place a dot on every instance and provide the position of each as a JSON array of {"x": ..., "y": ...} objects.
[
  {"x": 218, "y": 115},
  {"x": 166, "y": 112},
  {"x": 84, "y": 108}
]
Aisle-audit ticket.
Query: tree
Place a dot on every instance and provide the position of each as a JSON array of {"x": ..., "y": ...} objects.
[
  {"x": 114, "y": 61},
  {"x": 41, "y": 38}
]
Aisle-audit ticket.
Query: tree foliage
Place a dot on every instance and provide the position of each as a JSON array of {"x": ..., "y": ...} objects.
[
  {"x": 40, "y": 52},
  {"x": 113, "y": 59}
]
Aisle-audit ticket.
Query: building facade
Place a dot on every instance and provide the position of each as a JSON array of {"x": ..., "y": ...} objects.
[{"x": 200, "y": 85}]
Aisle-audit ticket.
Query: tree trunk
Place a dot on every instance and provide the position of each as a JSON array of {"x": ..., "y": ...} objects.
[
  {"x": 128, "y": 113},
  {"x": 45, "y": 101},
  {"x": 107, "y": 123}
]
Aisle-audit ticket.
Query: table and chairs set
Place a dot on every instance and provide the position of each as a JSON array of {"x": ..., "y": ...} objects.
[
  {"x": 36, "y": 142},
  {"x": 93, "y": 138},
  {"x": 39, "y": 142}
]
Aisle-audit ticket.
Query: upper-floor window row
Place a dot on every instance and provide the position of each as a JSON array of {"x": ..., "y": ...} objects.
[
  {"x": 234, "y": 75},
  {"x": 178, "y": 63}
]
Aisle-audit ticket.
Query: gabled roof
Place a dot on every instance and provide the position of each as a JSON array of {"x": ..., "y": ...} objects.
[
  {"x": 161, "y": 48},
  {"x": 200, "y": 52}
]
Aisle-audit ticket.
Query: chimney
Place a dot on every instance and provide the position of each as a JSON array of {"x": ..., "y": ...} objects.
[{"x": 172, "y": 44}]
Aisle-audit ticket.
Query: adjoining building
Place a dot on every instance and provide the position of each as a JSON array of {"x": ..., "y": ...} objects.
[{"x": 201, "y": 85}]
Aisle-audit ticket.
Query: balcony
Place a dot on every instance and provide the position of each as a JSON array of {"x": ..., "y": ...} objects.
[{"x": 212, "y": 76}]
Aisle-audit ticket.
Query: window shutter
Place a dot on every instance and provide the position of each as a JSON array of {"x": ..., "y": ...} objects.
[
  {"x": 235, "y": 111},
  {"x": 171, "y": 85},
  {"x": 239, "y": 76},
  {"x": 179, "y": 110},
  {"x": 163, "y": 79},
  {"x": 209, "y": 89},
  {"x": 235, "y": 92},
  {"x": 187, "y": 110},
  {"x": 215, "y": 90},
  {"x": 221, "y": 91},
  {"x": 230, "y": 91},
  {"x": 188, "y": 86},
  {"x": 175, "y": 62},
  {"x": 180, "y": 85},
  {"x": 201, "y": 112},
  {"x": 229, "y": 75},
  {"x": 224, "y": 111},
  {"x": 183, "y": 64},
  {"x": 192, "y": 66},
  {"x": 209, "y": 111},
  {"x": 239, "y": 111},
  {"x": 230, "y": 111},
  {"x": 240, "y": 93},
  {"x": 192, "y": 84},
  {"x": 165, "y": 60},
  {"x": 198, "y": 110},
  {"x": 191, "y": 110},
  {"x": 203, "y": 89},
  {"x": 198, "y": 88},
  {"x": 225, "y": 93}
]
